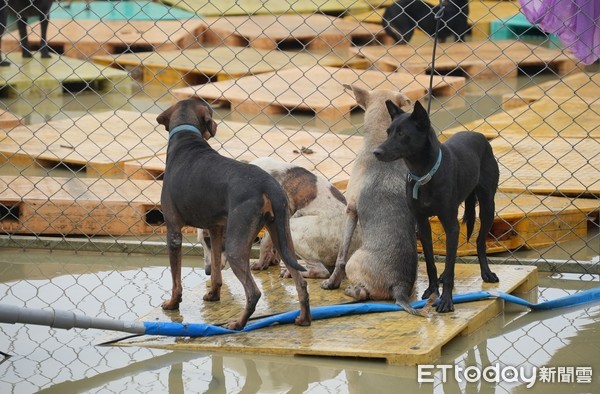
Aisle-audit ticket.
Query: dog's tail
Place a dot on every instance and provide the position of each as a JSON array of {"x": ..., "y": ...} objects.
[
  {"x": 469, "y": 216},
  {"x": 278, "y": 225}
]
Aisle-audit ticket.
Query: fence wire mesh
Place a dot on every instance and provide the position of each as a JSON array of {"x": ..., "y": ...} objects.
[{"x": 82, "y": 157}]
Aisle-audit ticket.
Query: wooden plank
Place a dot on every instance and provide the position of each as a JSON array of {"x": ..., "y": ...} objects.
[
  {"x": 479, "y": 59},
  {"x": 83, "y": 39},
  {"x": 565, "y": 117},
  {"x": 317, "y": 89},
  {"x": 8, "y": 120},
  {"x": 116, "y": 10},
  {"x": 332, "y": 154},
  {"x": 582, "y": 85},
  {"x": 524, "y": 221},
  {"x": 90, "y": 206},
  {"x": 397, "y": 337},
  {"x": 50, "y": 77},
  {"x": 189, "y": 67},
  {"x": 312, "y": 31},
  {"x": 481, "y": 14},
  {"x": 250, "y": 7},
  {"x": 100, "y": 143},
  {"x": 561, "y": 166}
]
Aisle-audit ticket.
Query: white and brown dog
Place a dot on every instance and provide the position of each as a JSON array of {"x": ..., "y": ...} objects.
[{"x": 317, "y": 210}]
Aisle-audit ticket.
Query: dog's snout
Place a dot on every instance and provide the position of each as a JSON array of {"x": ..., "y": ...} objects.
[{"x": 378, "y": 152}]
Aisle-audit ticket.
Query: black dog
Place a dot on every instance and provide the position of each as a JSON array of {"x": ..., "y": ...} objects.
[
  {"x": 441, "y": 177},
  {"x": 206, "y": 190},
  {"x": 402, "y": 18},
  {"x": 23, "y": 9}
]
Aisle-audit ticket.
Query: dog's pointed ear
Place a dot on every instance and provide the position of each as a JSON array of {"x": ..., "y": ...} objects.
[
  {"x": 420, "y": 116},
  {"x": 392, "y": 108},
  {"x": 404, "y": 101},
  {"x": 361, "y": 95}
]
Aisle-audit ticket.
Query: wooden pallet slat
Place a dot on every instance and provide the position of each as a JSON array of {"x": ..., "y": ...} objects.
[
  {"x": 312, "y": 31},
  {"x": 173, "y": 69},
  {"x": 477, "y": 59},
  {"x": 318, "y": 89},
  {"x": 83, "y": 39}
]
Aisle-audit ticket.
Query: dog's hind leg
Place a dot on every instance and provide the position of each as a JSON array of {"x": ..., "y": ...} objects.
[
  {"x": 339, "y": 271},
  {"x": 174, "y": 240},
  {"x": 44, "y": 48},
  {"x": 487, "y": 209},
  {"x": 216, "y": 279}
]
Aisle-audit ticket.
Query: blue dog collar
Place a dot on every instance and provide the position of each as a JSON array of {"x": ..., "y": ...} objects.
[
  {"x": 425, "y": 178},
  {"x": 184, "y": 127}
]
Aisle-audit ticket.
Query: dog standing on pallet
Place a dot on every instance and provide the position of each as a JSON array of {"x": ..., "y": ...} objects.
[
  {"x": 231, "y": 199},
  {"x": 441, "y": 177},
  {"x": 402, "y": 18},
  {"x": 385, "y": 265},
  {"x": 24, "y": 9}
]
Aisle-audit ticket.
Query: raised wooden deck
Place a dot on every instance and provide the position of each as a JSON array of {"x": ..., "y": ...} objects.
[
  {"x": 396, "y": 337},
  {"x": 317, "y": 89}
]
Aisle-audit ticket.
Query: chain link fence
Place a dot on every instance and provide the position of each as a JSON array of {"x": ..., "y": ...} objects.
[{"x": 82, "y": 156}]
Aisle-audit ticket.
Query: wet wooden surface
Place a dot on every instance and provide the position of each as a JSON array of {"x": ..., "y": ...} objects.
[{"x": 396, "y": 337}]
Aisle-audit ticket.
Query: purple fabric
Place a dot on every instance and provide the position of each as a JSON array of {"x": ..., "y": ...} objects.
[{"x": 576, "y": 22}]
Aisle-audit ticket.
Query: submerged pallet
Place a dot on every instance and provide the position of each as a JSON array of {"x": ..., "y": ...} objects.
[
  {"x": 317, "y": 89},
  {"x": 190, "y": 67},
  {"x": 51, "y": 77},
  {"x": 98, "y": 144},
  {"x": 580, "y": 85},
  {"x": 313, "y": 31},
  {"x": 396, "y": 337},
  {"x": 524, "y": 221},
  {"x": 478, "y": 59},
  {"x": 328, "y": 154},
  {"x": 251, "y": 7},
  {"x": 83, "y": 39},
  {"x": 89, "y": 206}
]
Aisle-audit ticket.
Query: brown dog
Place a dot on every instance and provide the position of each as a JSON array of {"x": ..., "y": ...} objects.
[{"x": 229, "y": 198}]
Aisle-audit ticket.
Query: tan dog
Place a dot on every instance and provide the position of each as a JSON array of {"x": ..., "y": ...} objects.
[{"x": 385, "y": 266}]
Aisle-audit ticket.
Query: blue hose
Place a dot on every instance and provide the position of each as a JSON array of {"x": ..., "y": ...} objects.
[{"x": 329, "y": 311}]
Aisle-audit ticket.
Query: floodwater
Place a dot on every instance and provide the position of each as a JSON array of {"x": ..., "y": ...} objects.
[{"x": 128, "y": 287}]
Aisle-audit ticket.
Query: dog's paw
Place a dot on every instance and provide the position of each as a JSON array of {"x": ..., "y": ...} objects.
[
  {"x": 328, "y": 284},
  {"x": 429, "y": 292},
  {"x": 300, "y": 321},
  {"x": 211, "y": 296},
  {"x": 358, "y": 292},
  {"x": 489, "y": 277},
  {"x": 5, "y": 63},
  {"x": 170, "y": 305},
  {"x": 445, "y": 305},
  {"x": 285, "y": 273},
  {"x": 233, "y": 325}
]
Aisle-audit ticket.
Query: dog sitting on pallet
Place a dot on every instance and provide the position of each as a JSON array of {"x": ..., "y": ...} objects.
[
  {"x": 402, "y": 18},
  {"x": 317, "y": 216},
  {"x": 22, "y": 10},
  {"x": 441, "y": 177}
]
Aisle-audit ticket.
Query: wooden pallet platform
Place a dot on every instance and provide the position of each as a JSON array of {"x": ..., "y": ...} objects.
[
  {"x": 565, "y": 117},
  {"x": 561, "y": 166},
  {"x": 67, "y": 206},
  {"x": 481, "y": 14},
  {"x": 8, "y": 120},
  {"x": 582, "y": 85},
  {"x": 396, "y": 337},
  {"x": 99, "y": 144},
  {"x": 117, "y": 10},
  {"x": 312, "y": 31},
  {"x": 51, "y": 77},
  {"x": 83, "y": 39},
  {"x": 525, "y": 221},
  {"x": 317, "y": 89},
  {"x": 332, "y": 154},
  {"x": 173, "y": 69},
  {"x": 478, "y": 59},
  {"x": 252, "y": 7}
]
